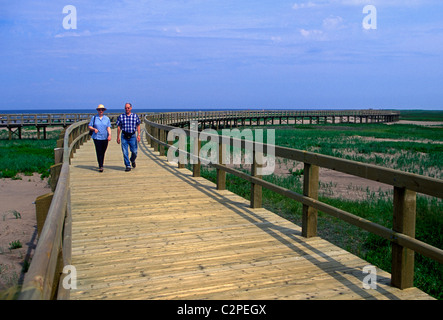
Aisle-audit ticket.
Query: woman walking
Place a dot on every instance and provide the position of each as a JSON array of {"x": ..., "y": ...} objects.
[{"x": 101, "y": 125}]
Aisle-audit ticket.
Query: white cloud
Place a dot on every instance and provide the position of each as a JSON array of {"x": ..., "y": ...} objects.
[
  {"x": 67, "y": 34},
  {"x": 385, "y": 3},
  {"x": 309, "y": 4},
  {"x": 333, "y": 23},
  {"x": 354, "y": 2},
  {"x": 311, "y": 33}
]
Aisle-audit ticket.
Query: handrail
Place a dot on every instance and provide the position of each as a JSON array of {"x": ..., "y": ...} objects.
[
  {"x": 50, "y": 119},
  {"x": 405, "y": 187},
  {"x": 41, "y": 280}
]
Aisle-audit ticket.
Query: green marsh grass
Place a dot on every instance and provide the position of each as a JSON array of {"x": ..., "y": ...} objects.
[
  {"x": 26, "y": 156},
  {"x": 16, "y": 244},
  {"x": 411, "y": 148},
  {"x": 421, "y": 115}
]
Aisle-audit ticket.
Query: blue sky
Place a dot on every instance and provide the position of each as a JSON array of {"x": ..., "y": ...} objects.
[{"x": 201, "y": 54}]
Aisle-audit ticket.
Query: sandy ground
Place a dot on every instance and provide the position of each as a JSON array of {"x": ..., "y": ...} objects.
[
  {"x": 335, "y": 184},
  {"x": 419, "y": 123},
  {"x": 19, "y": 196}
]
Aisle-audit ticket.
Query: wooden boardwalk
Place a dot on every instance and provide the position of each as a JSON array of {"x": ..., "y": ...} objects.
[{"x": 158, "y": 233}]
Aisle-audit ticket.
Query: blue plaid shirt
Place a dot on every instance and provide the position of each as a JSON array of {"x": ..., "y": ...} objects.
[{"x": 128, "y": 123}]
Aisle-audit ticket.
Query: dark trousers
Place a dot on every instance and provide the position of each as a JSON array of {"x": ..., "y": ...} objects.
[{"x": 100, "y": 149}]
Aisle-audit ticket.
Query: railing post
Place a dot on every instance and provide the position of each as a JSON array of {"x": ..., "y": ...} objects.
[
  {"x": 183, "y": 147},
  {"x": 402, "y": 272},
  {"x": 256, "y": 190},
  {"x": 148, "y": 130},
  {"x": 196, "y": 167},
  {"x": 170, "y": 143},
  {"x": 162, "y": 139},
  {"x": 55, "y": 174},
  {"x": 310, "y": 189},
  {"x": 56, "y": 168},
  {"x": 58, "y": 155},
  {"x": 221, "y": 174},
  {"x": 151, "y": 132},
  {"x": 156, "y": 135},
  {"x": 196, "y": 145},
  {"x": 42, "y": 204}
]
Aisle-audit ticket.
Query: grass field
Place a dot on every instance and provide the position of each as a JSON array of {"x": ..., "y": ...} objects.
[
  {"x": 27, "y": 155},
  {"x": 410, "y": 148},
  {"x": 421, "y": 115}
]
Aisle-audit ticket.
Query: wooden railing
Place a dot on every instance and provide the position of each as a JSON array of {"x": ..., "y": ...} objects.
[
  {"x": 15, "y": 122},
  {"x": 405, "y": 185},
  {"x": 50, "y": 119},
  {"x": 64, "y": 119},
  {"x": 42, "y": 281}
]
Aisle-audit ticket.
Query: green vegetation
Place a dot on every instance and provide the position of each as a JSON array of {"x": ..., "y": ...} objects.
[
  {"x": 26, "y": 156},
  {"x": 421, "y": 115},
  {"x": 15, "y": 245},
  {"x": 410, "y": 148},
  {"x": 15, "y": 213}
]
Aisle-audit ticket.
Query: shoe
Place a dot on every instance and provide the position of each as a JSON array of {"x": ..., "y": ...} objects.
[
  {"x": 100, "y": 170},
  {"x": 128, "y": 169},
  {"x": 133, "y": 164}
]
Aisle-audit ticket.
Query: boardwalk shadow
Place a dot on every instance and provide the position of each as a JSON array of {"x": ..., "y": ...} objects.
[
  {"x": 292, "y": 237},
  {"x": 95, "y": 168},
  {"x": 32, "y": 244},
  {"x": 91, "y": 168}
]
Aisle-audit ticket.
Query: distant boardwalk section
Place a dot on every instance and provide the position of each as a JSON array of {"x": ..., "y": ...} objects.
[
  {"x": 15, "y": 122},
  {"x": 214, "y": 119},
  {"x": 223, "y": 119}
]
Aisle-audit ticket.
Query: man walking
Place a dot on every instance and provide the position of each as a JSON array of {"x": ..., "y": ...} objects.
[{"x": 128, "y": 124}]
